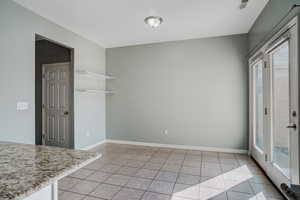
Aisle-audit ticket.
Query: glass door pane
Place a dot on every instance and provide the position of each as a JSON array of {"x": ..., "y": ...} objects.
[
  {"x": 281, "y": 108},
  {"x": 259, "y": 106}
]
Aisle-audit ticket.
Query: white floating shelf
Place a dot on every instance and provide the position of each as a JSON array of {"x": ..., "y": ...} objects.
[
  {"x": 95, "y": 91},
  {"x": 93, "y": 74}
]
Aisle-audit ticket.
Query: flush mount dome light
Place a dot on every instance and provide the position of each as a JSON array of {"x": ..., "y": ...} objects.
[{"x": 153, "y": 21}]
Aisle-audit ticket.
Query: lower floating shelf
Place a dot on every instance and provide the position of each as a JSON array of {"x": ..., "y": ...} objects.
[{"x": 95, "y": 91}]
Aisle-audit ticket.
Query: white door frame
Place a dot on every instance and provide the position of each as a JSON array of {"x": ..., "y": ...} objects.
[{"x": 265, "y": 162}]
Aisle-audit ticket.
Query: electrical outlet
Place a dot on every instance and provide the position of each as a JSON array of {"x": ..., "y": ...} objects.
[
  {"x": 166, "y": 132},
  {"x": 22, "y": 106}
]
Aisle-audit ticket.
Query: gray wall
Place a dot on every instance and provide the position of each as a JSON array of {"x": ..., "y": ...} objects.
[
  {"x": 17, "y": 76},
  {"x": 197, "y": 89},
  {"x": 266, "y": 24}
]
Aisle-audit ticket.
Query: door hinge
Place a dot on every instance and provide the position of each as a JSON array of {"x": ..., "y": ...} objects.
[
  {"x": 266, "y": 111},
  {"x": 266, "y": 158},
  {"x": 44, "y": 76},
  {"x": 43, "y": 106}
]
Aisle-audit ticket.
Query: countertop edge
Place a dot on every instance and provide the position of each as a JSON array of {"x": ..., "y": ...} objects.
[
  {"x": 70, "y": 171},
  {"x": 55, "y": 179}
]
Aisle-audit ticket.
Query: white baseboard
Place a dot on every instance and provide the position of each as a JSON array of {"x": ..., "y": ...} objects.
[
  {"x": 201, "y": 148},
  {"x": 93, "y": 145},
  {"x": 176, "y": 146}
]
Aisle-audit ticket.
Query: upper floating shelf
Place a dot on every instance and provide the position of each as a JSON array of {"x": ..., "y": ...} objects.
[
  {"x": 94, "y": 91},
  {"x": 94, "y": 75}
]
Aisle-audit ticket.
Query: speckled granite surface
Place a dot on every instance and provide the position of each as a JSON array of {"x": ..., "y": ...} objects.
[{"x": 25, "y": 169}]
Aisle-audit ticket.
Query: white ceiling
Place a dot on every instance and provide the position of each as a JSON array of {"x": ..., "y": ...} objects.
[{"x": 113, "y": 23}]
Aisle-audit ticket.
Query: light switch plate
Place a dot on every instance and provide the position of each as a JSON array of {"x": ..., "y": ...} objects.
[{"x": 22, "y": 105}]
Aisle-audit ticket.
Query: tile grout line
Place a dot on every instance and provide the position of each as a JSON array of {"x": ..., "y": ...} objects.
[{"x": 178, "y": 176}]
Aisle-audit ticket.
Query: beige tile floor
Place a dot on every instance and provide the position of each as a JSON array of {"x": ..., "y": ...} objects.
[{"x": 127, "y": 172}]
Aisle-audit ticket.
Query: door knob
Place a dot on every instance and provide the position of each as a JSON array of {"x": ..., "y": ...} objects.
[
  {"x": 293, "y": 126},
  {"x": 66, "y": 113}
]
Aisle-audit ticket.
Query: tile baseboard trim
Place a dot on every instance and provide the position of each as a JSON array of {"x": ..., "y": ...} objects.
[
  {"x": 188, "y": 147},
  {"x": 93, "y": 145}
]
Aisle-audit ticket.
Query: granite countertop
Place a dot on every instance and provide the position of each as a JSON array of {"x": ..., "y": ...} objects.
[{"x": 25, "y": 168}]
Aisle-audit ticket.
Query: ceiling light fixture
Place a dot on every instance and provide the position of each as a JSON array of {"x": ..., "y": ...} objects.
[
  {"x": 243, "y": 4},
  {"x": 153, "y": 21}
]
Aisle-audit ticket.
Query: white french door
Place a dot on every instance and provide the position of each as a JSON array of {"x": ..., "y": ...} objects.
[
  {"x": 258, "y": 109},
  {"x": 274, "y": 109}
]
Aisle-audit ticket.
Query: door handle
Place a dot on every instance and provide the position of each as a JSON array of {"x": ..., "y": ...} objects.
[
  {"x": 66, "y": 113},
  {"x": 293, "y": 126}
]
